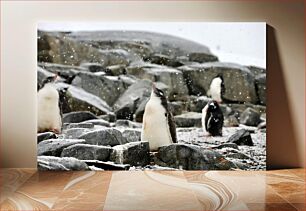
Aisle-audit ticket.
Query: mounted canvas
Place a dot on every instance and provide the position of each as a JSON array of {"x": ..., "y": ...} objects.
[{"x": 160, "y": 96}]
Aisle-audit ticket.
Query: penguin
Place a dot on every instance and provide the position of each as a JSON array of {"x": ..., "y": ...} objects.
[
  {"x": 212, "y": 119},
  {"x": 217, "y": 89},
  {"x": 158, "y": 124},
  {"x": 49, "y": 113}
]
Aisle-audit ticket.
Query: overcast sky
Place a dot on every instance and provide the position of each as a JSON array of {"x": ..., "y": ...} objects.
[{"x": 242, "y": 43}]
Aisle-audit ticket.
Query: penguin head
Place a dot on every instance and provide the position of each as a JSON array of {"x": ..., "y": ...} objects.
[
  {"x": 158, "y": 92},
  {"x": 213, "y": 106},
  {"x": 49, "y": 79}
]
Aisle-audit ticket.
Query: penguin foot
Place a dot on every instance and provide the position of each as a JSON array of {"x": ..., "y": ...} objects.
[{"x": 56, "y": 131}]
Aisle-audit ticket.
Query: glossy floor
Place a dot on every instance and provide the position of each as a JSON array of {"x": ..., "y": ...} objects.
[{"x": 26, "y": 189}]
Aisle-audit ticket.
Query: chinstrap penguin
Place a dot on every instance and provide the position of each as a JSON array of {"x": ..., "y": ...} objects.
[
  {"x": 48, "y": 107},
  {"x": 212, "y": 119},
  {"x": 217, "y": 89},
  {"x": 158, "y": 125}
]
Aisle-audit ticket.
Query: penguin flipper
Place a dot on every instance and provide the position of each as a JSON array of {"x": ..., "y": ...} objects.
[{"x": 172, "y": 127}]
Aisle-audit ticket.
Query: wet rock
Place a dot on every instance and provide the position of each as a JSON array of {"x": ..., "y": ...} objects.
[
  {"x": 189, "y": 119},
  {"x": 100, "y": 122},
  {"x": 51, "y": 163},
  {"x": 54, "y": 147},
  {"x": 260, "y": 83},
  {"x": 138, "y": 116},
  {"x": 78, "y": 116},
  {"x": 231, "y": 121},
  {"x": 250, "y": 117},
  {"x": 177, "y": 107},
  {"x": 132, "y": 135},
  {"x": 171, "y": 77},
  {"x": 199, "y": 76},
  {"x": 104, "y": 137},
  {"x": 116, "y": 70},
  {"x": 74, "y": 133},
  {"x": 107, "y": 165},
  {"x": 226, "y": 145},
  {"x": 80, "y": 125},
  {"x": 202, "y": 57},
  {"x": 130, "y": 100},
  {"x": 108, "y": 88},
  {"x": 134, "y": 154},
  {"x": 127, "y": 123},
  {"x": 241, "y": 137},
  {"x": 87, "y": 152},
  {"x": 191, "y": 157},
  {"x": 44, "y": 136}
]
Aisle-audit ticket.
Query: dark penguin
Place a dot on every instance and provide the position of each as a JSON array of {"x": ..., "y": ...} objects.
[
  {"x": 48, "y": 107},
  {"x": 217, "y": 88},
  {"x": 212, "y": 119},
  {"x": 158, "y": 124}
]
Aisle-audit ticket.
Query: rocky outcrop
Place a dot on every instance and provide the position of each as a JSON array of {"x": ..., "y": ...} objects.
[
  {"x": 104, "y": 137},
  {"x": 51, "y": 163},
  {"x": 79, "y": 116},
  {"x": 198, "y": 78},
  {"x": 241, "y": 137},
  {"x": 134, "y": 154},
  {"x": 190, "y": 119},
  {"x": 87, "y": 152},
  {"x": 191, "y": 157},
  {"x": 54, "y": 147},
  {"x": 250, "y": 117}
]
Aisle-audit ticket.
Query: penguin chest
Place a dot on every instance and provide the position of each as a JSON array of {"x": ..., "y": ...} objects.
[
  {"x": 155, "y": 126},
  {"x": 215, "y": 89},
  {"x": 48, "y": 109}
]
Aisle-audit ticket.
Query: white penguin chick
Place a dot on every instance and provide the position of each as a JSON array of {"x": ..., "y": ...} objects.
[
  {"x": 158, "y": 125},
  {"x": 48, "y": 116},
  {"x": 216, "y": 88}
]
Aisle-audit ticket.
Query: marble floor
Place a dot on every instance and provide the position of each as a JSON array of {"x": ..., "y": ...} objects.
[{"x": 28, "y": 189}]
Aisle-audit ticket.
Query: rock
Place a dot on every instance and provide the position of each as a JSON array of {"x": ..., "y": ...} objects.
[
  {"x": 51, "y": 163},
  {"x": 74, "y": 133},
  {"x": 161, "y": 59},
  {"x": 257, "y": 70},
  {"x": 127, "y": 123},
  {"x": 104, "y": 137},
  {"x": 78, "y": 116},
  {"x": 56, "y": 47},
  {"x": 44, "y": 136},
  {"x": 132, "y": 135},
  {"x": 42, "y": 74},
  {"x": 238, "y": 155},
  {"x": 226, "y": 110},
  {"x": 108, "y": 88},
  {"x": 138, "y": 116},
  {"x": 262, "y": 125},
  {"x": 196, "y": 104},
  {"x": 100, "y": 122},
  {"x": 171, "y": 77},
  {"x": 144, "y": 44},
  {"x": 107, "y": 165},
  {"x": 134, "y": 154},
  {"x": 87, "y": 152},
  {"x": 80, "y": 125},
  {"x": 189, "y": 119},
  {"x": 241, "y": 137},
  {"x": 202, "y": 57},
  {"x": 177, "y": 107},
  {"x": 93, "y": 67},
  {"x": 231, "y": 121},
  {"x": 250, "y": 117},
  {"x": 199, "y": 76},
  {"x": 116, "y": 70},
  {"x": 226, "y": 145},
  {"x": 191, "y": 157},
  {"x": 54, "y": 147},
  {"x": 130, "y": 100},
  {"x": 110, "y": 117},
  {"x": 260, "y": 83}
]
